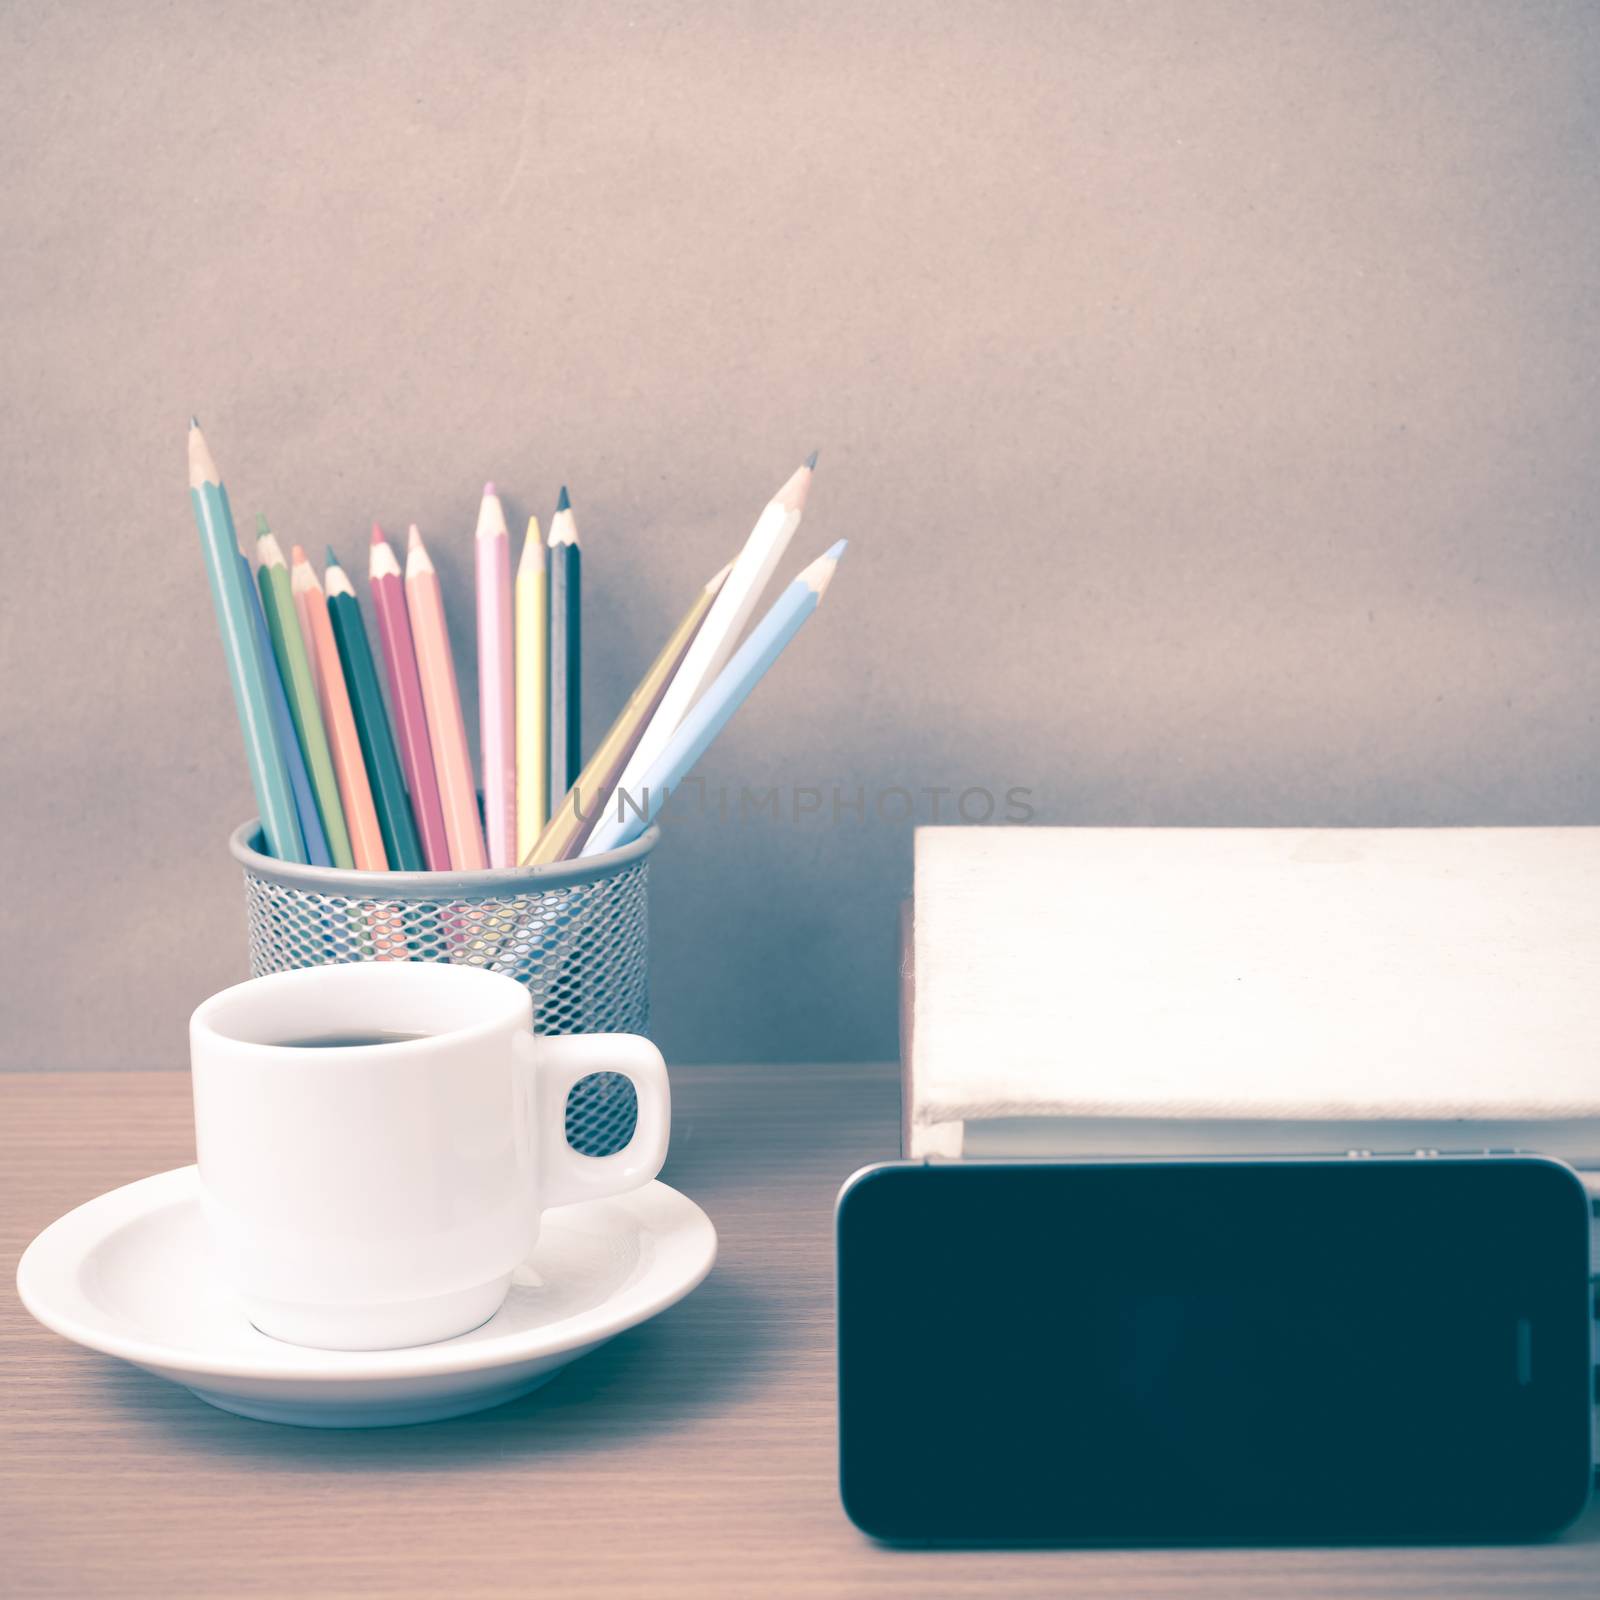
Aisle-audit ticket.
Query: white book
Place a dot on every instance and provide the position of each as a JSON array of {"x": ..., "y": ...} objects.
[{"x": 1150, "y": 991}]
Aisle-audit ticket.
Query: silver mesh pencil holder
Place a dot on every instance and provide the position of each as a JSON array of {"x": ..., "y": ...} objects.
[{"x": 575, "y": 933}]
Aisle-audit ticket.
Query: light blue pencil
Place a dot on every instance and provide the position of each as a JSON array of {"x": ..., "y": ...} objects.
[
  {"x": 710, "y": 713},
  {"x": 269, "y": 773}
]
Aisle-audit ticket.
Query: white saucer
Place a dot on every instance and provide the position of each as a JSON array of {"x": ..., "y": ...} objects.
[{"x": 131, "y": 1274}]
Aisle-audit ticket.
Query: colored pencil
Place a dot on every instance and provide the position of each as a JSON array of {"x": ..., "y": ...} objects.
[
  {"x": 566, "y": 652},
  {"x": 452, "y": 765},
  {"x": 305, "y": 803},
  {"x": 497, "y": 716},
  {"x": 405, "y": 695},
  {"x": 302, "y": 610},
  {"x": 715, "y": 642},
  {"x": 333, "y": 698},
  {"x": 586, "y": 799},
  {"x": 532, "y": 600},
  {"x": 400, "y": 844},
  {"x": 219, "y": 543},
  {"x": 712, "y": 711},
  {"x": 283, "y": 623}
]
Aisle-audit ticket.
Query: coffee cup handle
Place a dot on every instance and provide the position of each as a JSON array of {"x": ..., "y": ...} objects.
[{"x": 553, "y": 1064}]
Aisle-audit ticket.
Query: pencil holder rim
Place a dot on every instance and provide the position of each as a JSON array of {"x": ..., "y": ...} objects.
[{"x": 492, "y": 884}]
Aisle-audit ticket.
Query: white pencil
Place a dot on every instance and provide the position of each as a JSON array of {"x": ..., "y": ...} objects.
[{"x": 719, "y": 633}]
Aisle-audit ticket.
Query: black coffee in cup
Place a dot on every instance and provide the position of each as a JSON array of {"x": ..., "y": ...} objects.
[{"x": 346, "y": 1041}]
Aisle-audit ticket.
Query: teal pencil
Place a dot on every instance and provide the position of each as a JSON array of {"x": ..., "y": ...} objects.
[
  {"x": 269, "y": 775},
  {"x": 395, "y": 822},
  {"x": 566, "y": 651},
  {"x": 305, "y": 803}
]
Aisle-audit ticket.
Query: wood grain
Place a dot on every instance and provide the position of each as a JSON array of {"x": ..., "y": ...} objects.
[{"x": 690, "y": 1458}]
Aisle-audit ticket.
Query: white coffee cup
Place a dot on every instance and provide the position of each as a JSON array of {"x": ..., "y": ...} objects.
[{"x": 377, "y": 1195}]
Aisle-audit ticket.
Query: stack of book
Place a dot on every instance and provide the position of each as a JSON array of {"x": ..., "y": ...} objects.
[{"x": 1110, "y": 992}]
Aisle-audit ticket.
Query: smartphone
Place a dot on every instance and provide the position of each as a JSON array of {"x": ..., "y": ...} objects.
[{"x": 1206, "y": 1351}]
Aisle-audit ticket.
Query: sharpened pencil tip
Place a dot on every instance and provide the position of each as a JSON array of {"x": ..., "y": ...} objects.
[
  {"x": 297, "y": 555},
  {"x": 532, "y": 558},
  {"x": 262, "y": 526},
  {"x": 811, "y": 461},
  {"x": 377, "y": 534},
  {"x": 820, "y": 573},
  {"x": 792, "y": 496},
  {"x": 564, "y": 503},
  {"x": 418, "y": 562},
  {"x": 333, "y": 560},
  {"x": 488, "y": 490},
  {"x": 194, "y": 422}
]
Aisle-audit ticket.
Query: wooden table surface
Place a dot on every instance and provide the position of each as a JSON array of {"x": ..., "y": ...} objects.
[{"x": 692, "y": 1457}]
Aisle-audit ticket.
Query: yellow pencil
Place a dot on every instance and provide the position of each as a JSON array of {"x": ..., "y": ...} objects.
[{"x": 532, "y": 612}]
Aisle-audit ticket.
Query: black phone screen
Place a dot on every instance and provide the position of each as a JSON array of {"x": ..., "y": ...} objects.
[{"x": 1210, "y": 1351}]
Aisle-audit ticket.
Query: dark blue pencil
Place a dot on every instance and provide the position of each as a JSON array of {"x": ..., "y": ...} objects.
[{"x": 566, "y": 652}]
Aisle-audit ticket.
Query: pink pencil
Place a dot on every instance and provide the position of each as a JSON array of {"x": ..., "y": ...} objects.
[
  {"x": 446, "y": 731},
  {"x": 497, "y": 729},
  {"x": 405, "y": 695}
]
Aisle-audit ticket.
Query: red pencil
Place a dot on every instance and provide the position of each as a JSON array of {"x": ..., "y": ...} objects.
[{"x": 405, "y": 695}]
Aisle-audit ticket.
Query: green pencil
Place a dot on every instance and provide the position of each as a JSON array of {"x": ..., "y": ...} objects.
[
  {"x": 283, "y": 622},
  {"x": 389, "y": 797},
  {"x": 269, "y": 775}
]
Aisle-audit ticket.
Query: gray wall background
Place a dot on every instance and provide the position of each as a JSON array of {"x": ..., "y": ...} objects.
[{"x": 1207, "y": 389}]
